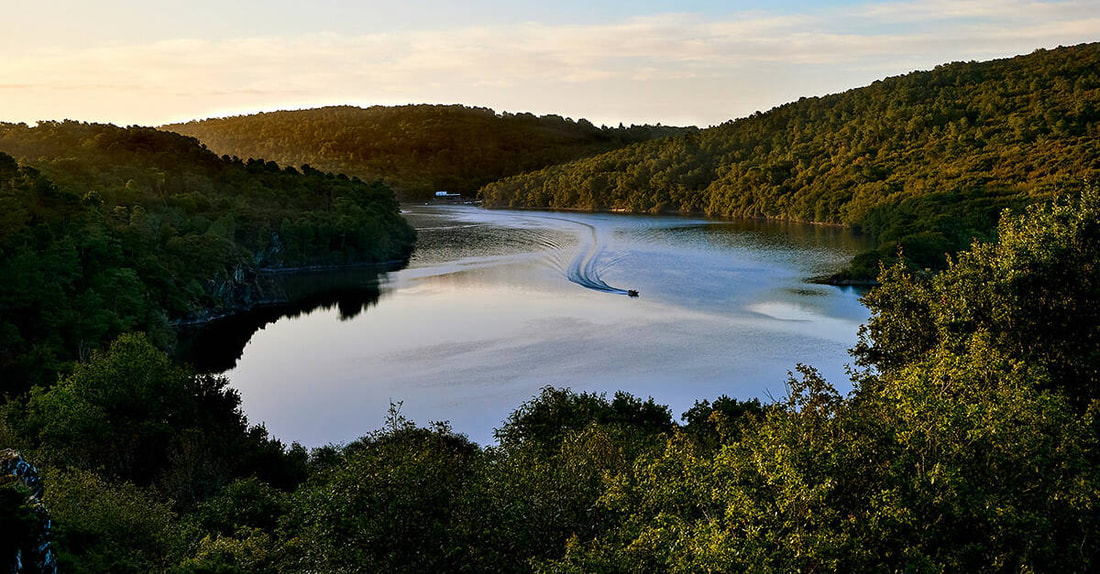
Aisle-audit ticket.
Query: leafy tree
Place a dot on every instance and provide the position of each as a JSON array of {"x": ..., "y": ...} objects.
[
  {"x": 386, "y": 503},
  {"x": 131, "y": 414},
  {"x": 235, "y": 530},
  {"x": 545, "y": 421},
  {"x": 125, "y": 409},
  {"x": 106, "y": 526},
  {"x": 1034, "y": 294},
  {"x": 540, "y": 487},
  {"x": 710, "y": 425}
]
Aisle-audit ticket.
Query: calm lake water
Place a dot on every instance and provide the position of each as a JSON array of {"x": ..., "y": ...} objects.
[{"x": 497, "y": 304}]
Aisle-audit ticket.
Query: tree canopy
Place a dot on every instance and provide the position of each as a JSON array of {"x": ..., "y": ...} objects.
[
  {"x": 418, "y": 149},
  {"x": 106, "y": 230}
]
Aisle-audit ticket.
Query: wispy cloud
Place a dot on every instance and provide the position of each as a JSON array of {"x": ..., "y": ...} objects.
[
  {"x": 919, "y": 11},
  {"x": 570, "y": 69}
]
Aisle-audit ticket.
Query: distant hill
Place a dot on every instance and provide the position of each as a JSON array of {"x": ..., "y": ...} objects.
[
  {"x": 418, "y": 149},
  {"x": 925, "y": 160}
]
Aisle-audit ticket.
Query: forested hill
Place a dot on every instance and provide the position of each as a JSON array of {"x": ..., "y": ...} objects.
[
  {"x": 105, "y": 230},
  {"x": 927, "y": 159},
  {"x": 418, "y": 149}
]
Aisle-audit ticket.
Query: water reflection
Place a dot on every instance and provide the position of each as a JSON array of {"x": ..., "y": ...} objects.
[
  {"x": 486, "y": 314},
  {"x": 217, "y": 346}
]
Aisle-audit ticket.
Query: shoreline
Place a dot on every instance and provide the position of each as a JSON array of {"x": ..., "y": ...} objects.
[{"x": 274, "y": 295}]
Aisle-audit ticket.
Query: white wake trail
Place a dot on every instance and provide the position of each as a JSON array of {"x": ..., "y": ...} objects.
[{"x": 585, "y": 268}]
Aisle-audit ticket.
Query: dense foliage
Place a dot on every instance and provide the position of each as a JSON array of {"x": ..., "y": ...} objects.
[
  {"x": 128, "y": 441},
  {"x": 970, "y": 443},
  {"x": 926, "y": 160},
  {"x": 106, "y": 230},
  {"x": 418, "y": 149}
]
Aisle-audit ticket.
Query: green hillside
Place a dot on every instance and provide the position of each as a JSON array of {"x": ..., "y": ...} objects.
[
  {"x": 926, "y": 160},
  {"x": 417, "y": 149},
  {"x": 106, "y": 230}
]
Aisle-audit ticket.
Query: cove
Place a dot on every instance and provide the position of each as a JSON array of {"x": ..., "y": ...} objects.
[{"x": 495, "y": 305}]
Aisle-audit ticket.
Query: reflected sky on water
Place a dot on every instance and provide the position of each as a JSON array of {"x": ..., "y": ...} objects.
[{"x": 486, "y": 314}]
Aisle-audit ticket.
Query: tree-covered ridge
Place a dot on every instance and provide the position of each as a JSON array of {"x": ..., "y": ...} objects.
[
  {"x": 418, "y": 149},
  {"x": 106, "y": 230},
  {"x": 926, "y": 160},
  {"x": 971, "y": 443}
]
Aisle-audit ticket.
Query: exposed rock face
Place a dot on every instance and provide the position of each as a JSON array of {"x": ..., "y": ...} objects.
[
  {"x": 248, "y": 289},
  {"x": 26, "y": 537}
]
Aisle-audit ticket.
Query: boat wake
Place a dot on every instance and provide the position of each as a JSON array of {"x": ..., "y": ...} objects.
[{"x": 586, "y": 267}]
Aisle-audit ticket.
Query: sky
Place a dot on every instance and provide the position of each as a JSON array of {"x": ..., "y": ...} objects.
[{"x": 687, "y": 62}]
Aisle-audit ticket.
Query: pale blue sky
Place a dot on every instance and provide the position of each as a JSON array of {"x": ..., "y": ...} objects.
[{"x": 687, "y": 62}]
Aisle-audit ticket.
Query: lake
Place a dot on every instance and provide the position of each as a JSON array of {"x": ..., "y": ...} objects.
[{"x": 495, "y": 305}]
